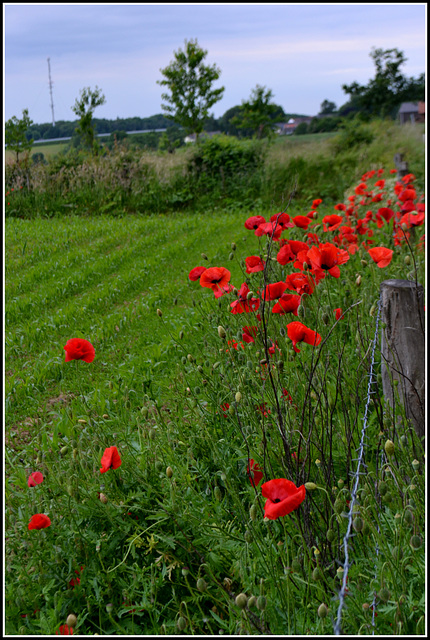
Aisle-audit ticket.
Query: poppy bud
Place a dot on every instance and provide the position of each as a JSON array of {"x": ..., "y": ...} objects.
[
  {"x": 169, "y": 472},
  {"x": 317, "y": 574},
  {"x": 331, "y": 535},
  {"x": 233, "y": 246},
  {"x": 280, "y": 365},
  {"x": 338, "y": 506},
  {"x": 181, "y": 335},
  {"x": 248, "y": 536},
  {"x": 201, "y": 584},
  {"x": 318, "y": 463},
  {"x": 185, "y": 571},
  {"x": 238, "y": 396},
  {"x": 181, "y": 623},
  {"x": 358, "y": 524},
  {"x": 159, "y": 313},
  {"x": 301, "y": 311},
  {"x": 109, "y": 608},
  {"x": 407, "y": 259},
  {"x": 384, "y": 594},
  {"x": 416, "y": 464},
  {"x": 241, "y": 600},
  {"x": 222, "y": 334},
  {"x": 404, "y": 226},
  {"x": 325, "y": 318},
  {"x": 389, "y": 448},
  {"x": 296, "y": 565},
  {"x": 358, "y": 281},
  {"x": 75, "y": 453},
  {"x": 408, "y": 517},
  {"x": 322, "y": 610},
  {"x": 252, "y": 602},
  {"x": 261, "y": 603},
  {"x": 310, "y": 486},
  {"x": 204, "y": 256},
  {"x": 365, "y": 606},
  {"x": 231, "y": 256},
  {"x": 249, "y": 295},
  {"x": 103, "y": 498},
  {"x": 217, "y": 493},
  {"x": 416, "y": 542},
  {"x": 64, "y": 450},
  {"x": 383, "y": 488},
  {"x": 253, "y": 512},
  {"x": 200, "y": 369},
  {"x": 305, "y": 266},
  {"x": 197, "y": 391},
  {"x": 71, "y": 620}
]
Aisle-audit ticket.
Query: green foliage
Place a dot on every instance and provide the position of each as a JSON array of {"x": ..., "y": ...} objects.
[
  {"x": 190, "y": 83},
  {"x": 258, "y": 114},
  {"x": 352, "y": 134},
  {"x": 84, "y": 107},
  {"x": 15, "y": 134},
  {"x": 328, "y": 108},
  {"x": 384, "y": 93}
]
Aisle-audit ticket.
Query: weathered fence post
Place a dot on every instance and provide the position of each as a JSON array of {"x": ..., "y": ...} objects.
[
  {"x": 403, "y": 348},
  {"x": 401, "y": 166}
]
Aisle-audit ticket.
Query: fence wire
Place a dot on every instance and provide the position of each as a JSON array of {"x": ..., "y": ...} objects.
[{"x": 360, "y": 462}]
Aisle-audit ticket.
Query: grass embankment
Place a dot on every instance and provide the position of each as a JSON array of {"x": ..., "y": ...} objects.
[{"x": 174, "y": 540}]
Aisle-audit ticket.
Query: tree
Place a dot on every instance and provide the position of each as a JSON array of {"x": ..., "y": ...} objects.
[
  {"x": 388, "y": 88},
  {"x": 327, "y": 108},
  {"x": 84, "y": 108},
  {"x": 190, "y": 84},
  {"x": 15, "y": 130},
  {"x": 259, "y": 114}
]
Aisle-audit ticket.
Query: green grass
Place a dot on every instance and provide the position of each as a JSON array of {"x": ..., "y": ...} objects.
[{"x": 181, "y": 508}]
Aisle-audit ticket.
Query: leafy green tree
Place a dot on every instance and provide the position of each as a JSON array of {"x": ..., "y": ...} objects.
[
  {"x": 190, "y": 83},
  {"x": 84, "y": 108},
  {"x": 327, "y": 108},
  {"x": 15, "y": 130},
  {"x": 259, "y": 113},
  {"x": 382, "y": 95}
]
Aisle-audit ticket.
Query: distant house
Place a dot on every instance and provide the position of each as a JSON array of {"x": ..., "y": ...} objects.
[
  {"x": 204, "y": 134},
  {"x": 412, "y": 112},
  {"x": 287, "y": 128}
]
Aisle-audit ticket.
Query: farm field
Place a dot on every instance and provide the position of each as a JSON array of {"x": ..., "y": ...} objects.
[{"x": 215, "y": 454}]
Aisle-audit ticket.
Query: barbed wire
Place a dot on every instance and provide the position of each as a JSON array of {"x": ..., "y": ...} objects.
[{"x": 357, "y": 474}]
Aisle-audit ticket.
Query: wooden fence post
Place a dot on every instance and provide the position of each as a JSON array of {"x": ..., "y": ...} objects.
[
  {"x": 401, "y": 166},
  {"x": 403, "y": 348}
]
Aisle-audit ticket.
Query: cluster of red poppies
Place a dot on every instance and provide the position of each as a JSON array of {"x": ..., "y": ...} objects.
[{"x": 314, "y": 260}]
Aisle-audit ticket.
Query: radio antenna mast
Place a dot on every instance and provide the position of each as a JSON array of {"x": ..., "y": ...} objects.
[{"x": 50, "y": 92}]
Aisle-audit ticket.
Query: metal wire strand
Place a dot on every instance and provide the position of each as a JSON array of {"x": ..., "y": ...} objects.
[{"x": 356, "y": 475}]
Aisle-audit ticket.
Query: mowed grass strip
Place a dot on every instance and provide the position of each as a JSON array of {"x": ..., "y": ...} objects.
[{"x": 102, "y": 279}]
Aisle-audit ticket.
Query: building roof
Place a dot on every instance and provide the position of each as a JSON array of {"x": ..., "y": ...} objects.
[{"x": 409, "y": 107}]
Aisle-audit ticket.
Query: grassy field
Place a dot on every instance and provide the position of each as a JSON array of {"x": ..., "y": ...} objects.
[{"x": 176, "y": 538}]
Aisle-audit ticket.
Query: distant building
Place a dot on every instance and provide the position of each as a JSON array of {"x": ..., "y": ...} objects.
[
  {"x": 412, "y": 112},
  {"x": 287, "y": 128},
  {"x": 204, "y": 134}
]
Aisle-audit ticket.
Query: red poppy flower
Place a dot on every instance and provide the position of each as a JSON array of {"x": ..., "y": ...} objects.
[
  {"x": 196, "y": 273},
  {"x": 224, "y": 408},
  {"x": 301, "y": 221},
  {"x": 380, "y": 183},
  {"x": 64, "y": 630},
  {"x": 35, "y": 478},
  {"x": 393, "y": 170},
  {"x": 254, "y": 472},
  {"x": 215, "y": 278},
  {"x": 339, "y": 314},
  {"x": 269, "y": 229},
  {"x": 340, "y": 207},
  {"x": 39, "y": 521},
  {"x": 408, "y": 178},
  {"x": 254, "y": 222},
  {"x": 287, "y": 303},
  {"x": 254, "y": 264},
  {"x": 234, "y": 344},
  {"x": 283, "y": 220},
  {"x": 110, "y": 459},
  {"x": 221, "y": 291},
  {"x": 328, "y": 257},
  {"x": 412, "y": 219},
  {"x": 386, "y": 213},
  {"x": 361, "y": 189},
  {"x": 285, "y": 254},
  {"x": 332, "y": 222},
  {"x": 381, "y": 255},
  {"x": 79, "y": 349},
  {"x": 242, "y": 304},
  {"x": 408, "y": 194},
  {"x": 300, "y": 282},
  {"x": 262, "y": 408},
  {"x": 298, "y": 332},
  {"x": 249, "y": 334},
  {"x": 283, "y": 497},
  {"x": 273, "y": 291},
  {"x": 316, "y": 203}
]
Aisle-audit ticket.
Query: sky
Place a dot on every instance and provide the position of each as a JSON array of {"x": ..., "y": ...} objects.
[{"x": 303, "y": 53}]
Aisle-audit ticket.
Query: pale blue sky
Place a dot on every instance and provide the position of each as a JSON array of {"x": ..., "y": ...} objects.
[{"x": 302, "y": 52}]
